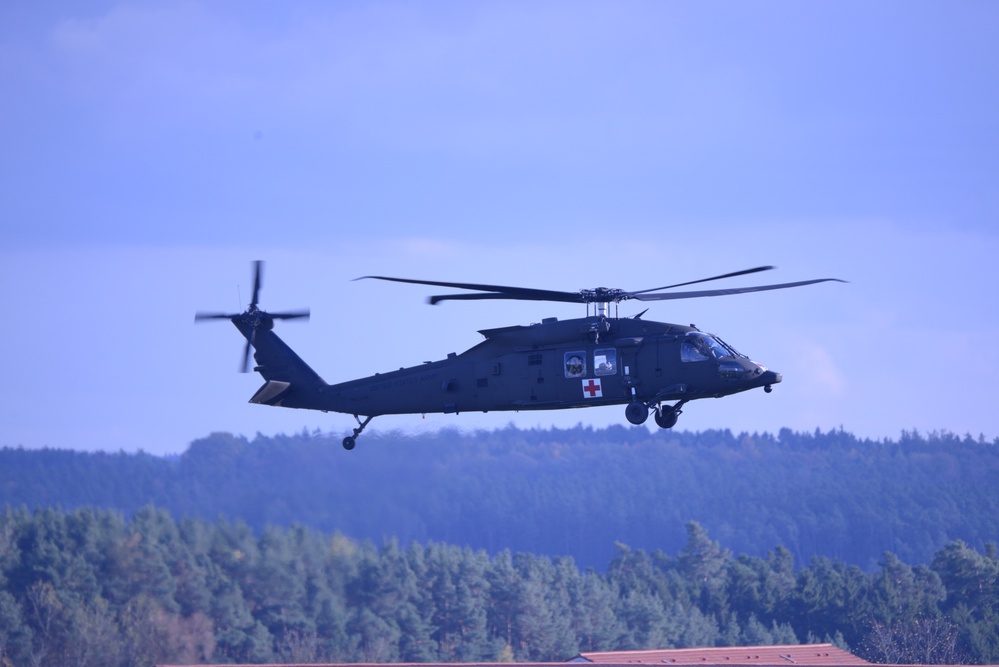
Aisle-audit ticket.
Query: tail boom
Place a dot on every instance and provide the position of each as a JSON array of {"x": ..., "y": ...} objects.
[{"x": 290, "y": 382}]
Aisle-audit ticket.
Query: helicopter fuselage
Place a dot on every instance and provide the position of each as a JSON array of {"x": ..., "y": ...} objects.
[{"x": 555, "y": 364}]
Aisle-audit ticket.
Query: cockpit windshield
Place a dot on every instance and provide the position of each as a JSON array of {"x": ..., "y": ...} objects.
[
  {"x": 735, "y": 352},
  {"x": 699, "y": 346}
]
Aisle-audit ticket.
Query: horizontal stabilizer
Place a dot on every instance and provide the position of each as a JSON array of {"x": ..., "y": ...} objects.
[{"x": 271, "y": 393}]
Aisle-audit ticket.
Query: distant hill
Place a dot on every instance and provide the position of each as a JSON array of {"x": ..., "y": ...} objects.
[{"x": 559, "y": 492}]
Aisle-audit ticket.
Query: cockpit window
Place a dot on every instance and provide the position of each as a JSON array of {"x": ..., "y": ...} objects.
[
  {"x": 605, "y": 361},
  {"x": 735, "y": 352},
  {"x": 697, "y": 346},
  {"x": 575, "y": 364},
  {"x": 691, "y": 351}
]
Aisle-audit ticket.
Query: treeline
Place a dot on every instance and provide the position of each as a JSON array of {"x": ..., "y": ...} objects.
[
  {"x": 89, "y": 587},
  {"x": 573, "y": 492}
]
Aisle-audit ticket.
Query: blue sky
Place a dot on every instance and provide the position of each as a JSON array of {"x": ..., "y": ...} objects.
[{"x": 151, "y": 150}]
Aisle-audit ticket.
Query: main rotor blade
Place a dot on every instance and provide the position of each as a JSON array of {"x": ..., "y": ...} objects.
[
  {"x": 599, "y": 295},
  {"x": 724, "y": 292},
  {"x": 704, "y": 280},
  {"x": 257, "y": 270},
  {"x": 561, "y": 297},
  {"x": 493, "y": 291}
]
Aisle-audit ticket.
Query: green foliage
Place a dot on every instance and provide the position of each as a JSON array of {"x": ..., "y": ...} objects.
[
  {"x": 572, "y": 492},
  {"x": 88, "y": 587},
  {"x": 132, "y": 585}
]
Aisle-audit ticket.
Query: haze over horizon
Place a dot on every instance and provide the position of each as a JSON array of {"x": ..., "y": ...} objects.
[{"x": 153, "y": 149}]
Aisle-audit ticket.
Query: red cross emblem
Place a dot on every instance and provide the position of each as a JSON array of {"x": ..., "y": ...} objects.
[{"x": 591, "y": 389}]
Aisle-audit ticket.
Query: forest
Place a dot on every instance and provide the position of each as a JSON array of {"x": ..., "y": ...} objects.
[
  {"x": 502, "y": 545},
  {"x": 569, "y": 492},
  {"x": 90, "y": 587}
]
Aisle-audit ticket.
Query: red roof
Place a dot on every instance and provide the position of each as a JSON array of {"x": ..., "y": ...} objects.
[{"x": 793, "y": 654}]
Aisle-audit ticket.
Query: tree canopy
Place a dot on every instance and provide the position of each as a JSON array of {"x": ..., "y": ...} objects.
[
  {"x": 503, "y": 545},
  {"x": 89, "y": 587},
  {"x": 572, "y": 492}
]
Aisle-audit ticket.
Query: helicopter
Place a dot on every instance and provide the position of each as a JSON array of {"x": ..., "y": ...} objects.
[{"x": 652, "y": 368}]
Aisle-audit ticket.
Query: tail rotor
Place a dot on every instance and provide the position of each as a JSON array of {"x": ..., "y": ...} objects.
[{"x": 253, "y": 318}]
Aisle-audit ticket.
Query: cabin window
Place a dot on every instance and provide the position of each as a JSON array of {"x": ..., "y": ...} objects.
[
  {"x": 575, "y": 364},
  {"x": 605, "y": 361}
]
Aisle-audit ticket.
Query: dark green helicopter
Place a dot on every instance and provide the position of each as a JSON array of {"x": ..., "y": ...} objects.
[{"x": 601, "y": 359}]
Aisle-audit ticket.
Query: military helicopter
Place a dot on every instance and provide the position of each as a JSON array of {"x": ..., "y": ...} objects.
[{"x": 601, "y": 359}]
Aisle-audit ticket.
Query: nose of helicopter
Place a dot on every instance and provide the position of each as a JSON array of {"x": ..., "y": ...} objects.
[
  {"x": 770, "y": 377},
  {"x": 764, "y": 377},
  {"x": 767, "y": 379}
]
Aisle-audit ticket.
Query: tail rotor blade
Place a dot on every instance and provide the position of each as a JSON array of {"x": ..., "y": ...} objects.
[
  {"x": 245, "y": 368},
  {"x": 290, "y": 315},
  {"x": 201, "y": 317},
  {"x": 257, "y": 270}
]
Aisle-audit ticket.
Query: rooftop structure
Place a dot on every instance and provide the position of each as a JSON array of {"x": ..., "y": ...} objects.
[{"x": 812, "y": 655}]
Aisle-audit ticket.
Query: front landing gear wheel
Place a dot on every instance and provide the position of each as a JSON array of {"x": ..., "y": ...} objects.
[
  {"x": 349, "y": 442},
  {"x": 666, "y": 417},
  {"x": 636, "y": 412}
]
